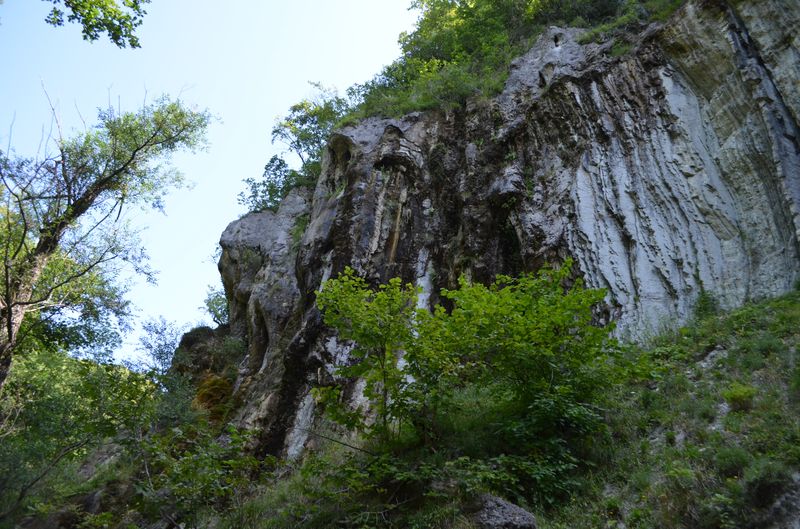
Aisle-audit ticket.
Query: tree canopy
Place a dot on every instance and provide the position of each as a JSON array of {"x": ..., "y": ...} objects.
[
  {"x": 62, "y": 231},
  {"x": 118, "y": 19}
]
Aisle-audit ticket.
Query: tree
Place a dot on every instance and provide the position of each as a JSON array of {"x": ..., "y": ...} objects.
[
  {"x": 533, "y": 336},
  {"x": 381, "y": 325},
  {"x": 216, "y": 305},
  {"x": 305, "y": 131},
  {"x": 529, "y": 340},
  {"x": 157, "y": 344},
  {"x": 307, "y": 127},
  {"x": 118, "y": 20},
  {"x": 62, "y": 232},
  {"x": 70, "y": 406}
]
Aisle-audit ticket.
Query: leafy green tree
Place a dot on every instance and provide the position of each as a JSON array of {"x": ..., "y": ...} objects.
[
  {"x": 528, "y": 339},
  {"x": 305, "y": 132},
  {"x": 381, "y": 325},
  {"x": 216, "y": 304},
  {"x": 523, "y": 351},
  {"x": 118, "y": 19},
  {"x": 66, "y": 408},
  {"x": 532, "y": 335},
  {"x": 267, "y": 193},
  {"x": 62, "y": 232},
  {"x": 158, "y": 343}
]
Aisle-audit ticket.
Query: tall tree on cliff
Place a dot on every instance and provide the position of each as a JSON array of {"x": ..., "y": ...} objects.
[{"x": 61, "y": 226}]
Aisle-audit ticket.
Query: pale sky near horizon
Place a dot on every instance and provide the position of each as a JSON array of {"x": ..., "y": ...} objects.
[{"x": 246, "y": 63}]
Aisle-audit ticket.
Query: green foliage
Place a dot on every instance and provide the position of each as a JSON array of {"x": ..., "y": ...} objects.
[
  {"x": 63, "y": 408},
  {"x": 276, "y": 182},
  {"x": 532, "y": 335},
  {"x": 157, "y": 343},
  {"x": 459, "y": 49},
  {"x": 700, "y": 465},
  {"x": 116, "y": 19},
  {"x": 192, "y": 468},
  {"x": 661, "y": 454},
  {"x": 527, "y": 345},
  {"x": 304, "y": 131},
  {"x": 630, "y": 15},
  {"x": 740, "y": 396},
  {"x": 216, "y": 305},
  {"x": 380, "y": 323},
  {"x": 706, "y": 305},
  {"x": 62, "y": 239},
  {"x": 213, "y": 394}
]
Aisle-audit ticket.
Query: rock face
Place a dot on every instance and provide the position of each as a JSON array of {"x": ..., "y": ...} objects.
[
  {"x": 668, "y": 171},
  {"x": 497, "y": 513}
]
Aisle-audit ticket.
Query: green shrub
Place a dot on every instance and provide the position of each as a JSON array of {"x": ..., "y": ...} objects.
[
  {"x": 764, "y": 480},
  {"x": 740, "y": 396},
  {"x": 525, "y": 346},
  {"x": 731, "y": 461},
  {"x": 706, "y": 305},
  {"x": 192, "y": 468}
]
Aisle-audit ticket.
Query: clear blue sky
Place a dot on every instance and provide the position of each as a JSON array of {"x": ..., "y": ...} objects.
[{"x": 246, "y": 61}]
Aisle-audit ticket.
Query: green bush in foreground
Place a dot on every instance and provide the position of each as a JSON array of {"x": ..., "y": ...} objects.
[{"x": 527, "y": 345}]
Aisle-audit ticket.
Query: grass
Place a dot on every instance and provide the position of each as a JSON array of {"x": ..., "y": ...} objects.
[
  {"x": 712, "y": 438},
  {"x": 633, "y": 13}
]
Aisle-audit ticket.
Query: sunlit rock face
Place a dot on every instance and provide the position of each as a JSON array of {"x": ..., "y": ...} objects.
[{"x": 670, "y": 170}]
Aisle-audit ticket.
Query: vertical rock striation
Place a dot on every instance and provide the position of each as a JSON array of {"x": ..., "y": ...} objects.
[{"x": 668, "y": 171}]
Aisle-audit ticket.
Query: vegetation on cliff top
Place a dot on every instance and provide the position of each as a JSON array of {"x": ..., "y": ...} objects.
[{"x": 458, "y": 50}]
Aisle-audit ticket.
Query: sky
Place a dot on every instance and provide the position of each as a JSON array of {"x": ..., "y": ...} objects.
[{"x": 246, "y": 62}]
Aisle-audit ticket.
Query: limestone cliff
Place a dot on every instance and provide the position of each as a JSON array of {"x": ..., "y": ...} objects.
[{"x": 667, "y": 171}]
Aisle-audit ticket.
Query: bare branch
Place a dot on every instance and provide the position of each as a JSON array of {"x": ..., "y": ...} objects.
[
  {"x": 11, "y": 131},
  {"x": 54, "y": 112}
]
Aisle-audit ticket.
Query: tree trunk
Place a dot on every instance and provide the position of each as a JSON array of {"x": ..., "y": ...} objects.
[
  {"x": 15, "y": 311},
  {"x": 5, "y": 361}
]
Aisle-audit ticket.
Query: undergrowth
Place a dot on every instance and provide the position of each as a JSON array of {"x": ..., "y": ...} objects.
[
  {"x": 711, "y": 438},
  {"x": 703, "y": 433}
]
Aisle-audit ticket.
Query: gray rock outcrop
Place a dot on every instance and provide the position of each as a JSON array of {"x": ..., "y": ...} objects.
[
  {"x": 668, "y": 171},
  {"x": 497, "y": 513}
]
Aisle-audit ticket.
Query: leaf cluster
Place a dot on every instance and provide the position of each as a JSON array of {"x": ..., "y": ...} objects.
[{"x": 118, "y": 19}]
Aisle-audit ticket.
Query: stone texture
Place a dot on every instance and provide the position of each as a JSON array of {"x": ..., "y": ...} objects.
[
  {"x": 258, "y": 271},
  {"x": 497, "y": 513},
  {"x": 665, "y": 172}
]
